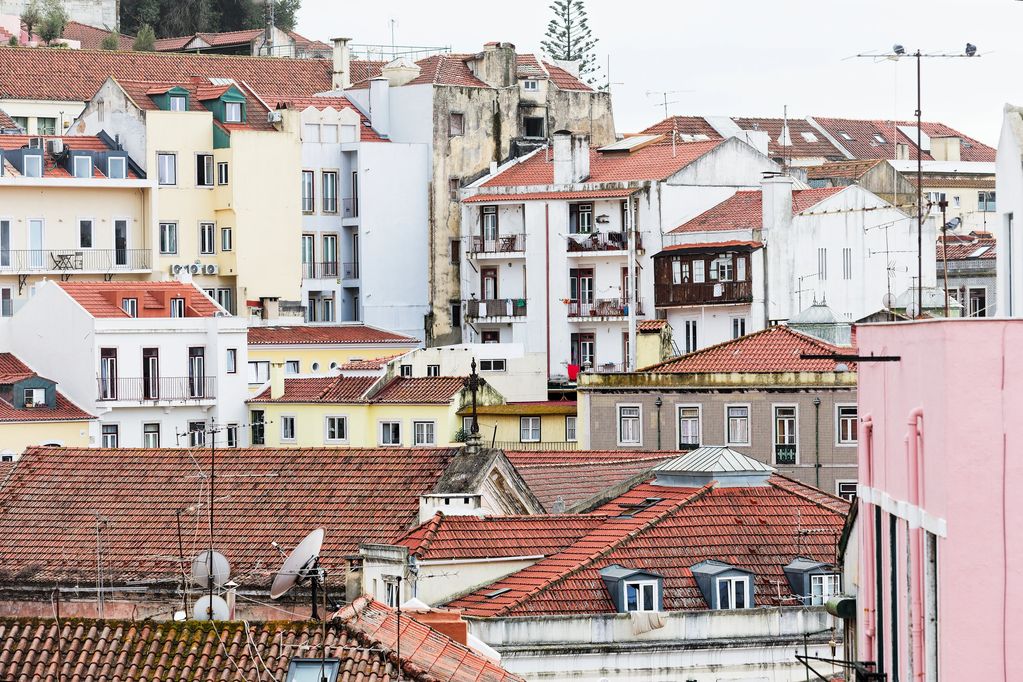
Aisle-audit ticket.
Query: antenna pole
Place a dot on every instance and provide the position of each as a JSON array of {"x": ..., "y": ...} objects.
[
  {"x": 398, "y": 628},
  {"x": 213, "y": 471},
  {"x": 919, "y": 200},
  {"x": 181, "y": 560},
  {"x": 316, "y": 575}
]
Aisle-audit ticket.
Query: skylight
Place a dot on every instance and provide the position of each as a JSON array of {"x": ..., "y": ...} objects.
[
  {"x": 808, "y": 136},
  {"x": 979, "y": 252},
  {"x": 879, "y": 138},
  {"x": 845, "y": 135}
]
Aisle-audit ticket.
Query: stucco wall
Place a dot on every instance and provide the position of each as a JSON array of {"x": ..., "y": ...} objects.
[
  {"x": 16, "y": 436},
  {"x": 101, "y": 13}
]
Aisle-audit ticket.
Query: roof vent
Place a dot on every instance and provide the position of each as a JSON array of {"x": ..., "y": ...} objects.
[{"x": 712, "y": 463}]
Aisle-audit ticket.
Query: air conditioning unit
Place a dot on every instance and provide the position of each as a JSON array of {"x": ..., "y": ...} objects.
[
  {"x": 35, "y": 143},
  {"x": 177, "y": 268},
  {"x": 274, "y": 117},
  {"x": 211, "y": 269},
  {"x": 195, "y": 268},
  {"x": 55, "y": 146}
]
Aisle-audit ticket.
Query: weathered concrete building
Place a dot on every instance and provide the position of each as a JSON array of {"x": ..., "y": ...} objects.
[
  {"x": 971, "y": 278},
  {"x": 474, "y": 110},
  {"x": 92, "y": 12}
]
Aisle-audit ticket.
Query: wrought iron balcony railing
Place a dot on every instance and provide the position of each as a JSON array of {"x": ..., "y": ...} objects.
[
  {"x": 74, "y": 260},
  {"x": 143, "y": 389}
]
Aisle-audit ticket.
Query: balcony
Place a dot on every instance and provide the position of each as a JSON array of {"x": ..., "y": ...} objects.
[
  {"x": 602, "y": 307},
  {"x": 699, "y": 293},
  {"x": 536, "y": 446},
  {"x": 324, "y": 270},
  {"x": 350, "y": 208},
  {"x": 350, "y": 270},
  {"x": 501, "y": 245},
  {"x": 75, "y": 261},
  {"x": 140, "y": 390},
  {"x": 491, "y": 309},
  {"x": 784, "y": 454},
  {"x": 600, "y": 241}
]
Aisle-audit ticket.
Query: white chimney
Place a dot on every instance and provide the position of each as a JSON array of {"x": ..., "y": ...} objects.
[
  {"x": 776, "y": 202},
  {"x": 276, "y": 380},
  {"x": 379, "y": 105},
  {"x": 580, "y": 158},
  {"x": 342, "y": 76},
  {"x": 562, "y": 157}
]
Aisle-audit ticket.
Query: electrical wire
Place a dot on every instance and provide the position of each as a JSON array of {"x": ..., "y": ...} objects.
[{"x": 223, "y": 645}]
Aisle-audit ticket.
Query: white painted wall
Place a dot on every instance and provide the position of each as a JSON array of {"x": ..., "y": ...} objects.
[
  {"x": 1009, "y": 189},
  {"x": 525, "y": 378}
]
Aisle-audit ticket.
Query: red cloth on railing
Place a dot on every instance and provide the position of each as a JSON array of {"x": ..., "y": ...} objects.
[{"x": 573, "y": 372}]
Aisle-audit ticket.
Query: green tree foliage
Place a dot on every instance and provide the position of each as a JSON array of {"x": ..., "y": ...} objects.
[
  {"x": 145, "y": 41},
  {"x": 54, "y": 20},
  {"x": 569, "y": 37},
  {"x": 185, "y": 17},
  {"x": 31, "y": 17},
  {"x": 111, "y": 42}
]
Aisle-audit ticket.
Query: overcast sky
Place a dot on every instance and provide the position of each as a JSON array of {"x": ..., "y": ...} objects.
[{"x": 742, "y": 57}]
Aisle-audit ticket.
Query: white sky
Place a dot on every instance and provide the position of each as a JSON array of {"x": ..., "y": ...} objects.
[{"x": 742, "y": 57}]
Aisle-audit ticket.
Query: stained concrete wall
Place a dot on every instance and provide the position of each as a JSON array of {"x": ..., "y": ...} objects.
[{"x": 102, "y": 13}]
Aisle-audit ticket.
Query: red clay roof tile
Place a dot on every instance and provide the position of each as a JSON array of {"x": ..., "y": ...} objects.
[
  {"x": 963, "y": 247},
  {"x": 864, "y": 144},
  {"x": 11, "y": 370},
  {"x": 744, "y": 210},
  {"x": 329, "y": 389},
  {"x": 301, "y": 335},
  {"x": 103, "y": 299},
  {"x": 557, "y": 196},
  {"x": 6, "y": 122},
  {"x": 91, "y": 38},
  {"x": 419, "y": 390}
]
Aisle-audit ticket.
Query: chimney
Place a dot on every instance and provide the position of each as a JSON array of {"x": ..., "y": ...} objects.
[
  {"x": 400, "y": 71},
  {"x": 379, "y": 105},
  {"x": 571, "y": 158},
  {"x": 445, "y": 621},
  {"x": 946, "y": 148},
  {"x": 776, "y": 193},
  {"x": 271, "y": 308},
  {"x": 580, "y": 158},
  {"x": 276, "y": 380},
  {"x": 498, "y": 66},
  {"x": 342, "y": 75}
]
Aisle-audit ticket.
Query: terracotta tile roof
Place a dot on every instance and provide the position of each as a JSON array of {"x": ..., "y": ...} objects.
[
  {"x": 529, "y": 66},
  {"x": 565, "y": 80},
  {"x": 301, "y": 335},
  {"x": 330, "y": 389},
  {"x": 419, "y": 390},
  {"x": 376, "y": 363},
  {"x": 12, "y": 370},
  {"x": 755, "y": 528},
  {"x": 447, "y": 69},
  {"x": 49, "y": 504},
  {"x": 851, "y": 170},
  {"x": 6, "y": 122},
  {"x": 200, "y": 90},
  {"x": 813, "y": 144},
  {"x": 103, "y": 299},
  {"x": 645, "y": 326},
  {"x": 473, "y": 537},
  {"x": 367, "y": 134},
  {"x": 566, "y": 479},
  {"x": 51, "y": 167},
  {"x": 653, "y": 162},
  {"x": 555, "y": 196},
  {"x": 744, "y": 210},
  {"x": 772, "y": 350},
  {"x": 362, "y": 636},
  {"x": 703, "y": 246},
  {"x": 567, "y": 407},
  {"x": 76, "y": 75},
  {"x": 938, "y": 180},
  {"x": 963, "y": 247},
  {"x": 864, "y": 145},
  {"x": 234, "y": 38},
  {"x": 91, "y": 37},
  {"x": 685, "y": 125}
]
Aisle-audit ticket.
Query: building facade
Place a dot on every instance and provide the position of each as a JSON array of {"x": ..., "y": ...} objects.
[
  {"x": 967, "y": 269},
  {"x": 1010, "y": 188},
  {"x": 34, "y": 412}
]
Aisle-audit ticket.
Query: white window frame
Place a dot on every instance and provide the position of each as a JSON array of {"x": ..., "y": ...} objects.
[
  {"x": 699, "y": 422},
  {"x": 528, "y": 422},
  {"x": 231, "y": 435},
  {"x": 177, "y": 103},
  {"x": 231, "y": 360},
  {"x": 34, "y": 392},
  {"x": 226, "y": 239},
  {"x": 574, "y": 421},
  {"x": 343, "y": 419},
  {"x": 328, "y": 199},
  {"x": 285, "y": 420},
  {"x": 292, "y": 368},
  {"x": 405, "y": 370},
  {"x": 37, "y": 165},
  {"x": 92, "y": 233},
  {"x": 308, "y": 183},
  {"x": 968, "y": 301},
  {"x": 640, "y": 601},
  {"x": 738, "y": 325},
  {"x": 380, "y": 433},
  {"x": 639, "y": 425},
  {"x": 74, "y": 166},
  {"x": 774, "y": 428},
  {"x": 171, "y": 177},
  {"x": 728, "y": 429},
  {"x": 824, "y": 579},
  {"x": 145, "y": 434},
  {"x": 416, "y": 441},
  {"x": 493, "y": 365},
  {"x": 173, "y": 231},
  {"x": 733, "y": 582},
  {"x": 531, "y": 85},
  {"x": 177, "y": 307},
  {"x": 839, "y": 443},
  {"x": 196, "y": 437},
  {"x": 223, "y": 173},
  {"x": 254, "y": 373},
  {"x": 204, "y": 163},
  {"x": 131, "y": 306},
  {"x": 116, "y": 434},
  {"x": 207, "y": 238},
  {"x": 232, "y": 112},
  {"x": 433, "y": 370}
]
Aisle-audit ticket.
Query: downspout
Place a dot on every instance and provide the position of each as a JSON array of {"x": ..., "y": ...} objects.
[
  {"x": 871, "y": 593},
  {"x": 547, "y": 285},
  {"x": 915, "y": 460},
  {"x": 817, "y": 441},
  {"x": 658, "y": 403}
]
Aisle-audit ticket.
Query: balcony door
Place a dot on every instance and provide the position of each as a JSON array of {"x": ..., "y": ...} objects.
[
  {"x": 121, "y": 243},
  {"x": 108, "y": 374},
  {"x": 197, "y": 372},
  {"x": 308, "y": 255},
  {"x": 580, "y": 289},
  {"x": 584, "y": 347},
  {"x": 355, "y": 253},
  {"x": 35, "y": 244},
  {"x": 490, "y": 228},
  {"x": 151, "y": 373},
  {"x": 5, "y": 243},
  {"x": 488, "y": 286}
]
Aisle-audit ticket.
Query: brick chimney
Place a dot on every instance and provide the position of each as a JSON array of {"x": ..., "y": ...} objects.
[
  {"x": 342, "y": 71},
  {"x": 776, "y": 200},
  {"x": 445, "y": 621},
  {"x": 571, "y": 158}
]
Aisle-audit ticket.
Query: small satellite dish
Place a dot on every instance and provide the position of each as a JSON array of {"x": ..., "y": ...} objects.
[
  {"x": 300, "y": 565},
  {"x": 180, "y": 616},
  {"x": 201, "y": 611},
  {"x": 201, "y": 569},
  {"x": 888, "y": 301},
  {"x": 911, "y": 310}
]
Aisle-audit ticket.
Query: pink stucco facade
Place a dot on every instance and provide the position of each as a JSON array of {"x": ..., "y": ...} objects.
[{"x": 941, "y": 464}]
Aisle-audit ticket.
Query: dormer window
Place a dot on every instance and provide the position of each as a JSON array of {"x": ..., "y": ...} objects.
[
  {"x": 733, "y": 593},
  {"x": 823, "y": 587},
  {"x": 178, "y": 103},
  {"x": 177, "y": 307},
  {"x": 879, "y": 138},
  {"x": 232, "y": 112},
  {"x": 117, "y": 168},
  {"x": 82, "y": 166},
  {"x": 33, "y": 165},
  {"x": 632, "y": 589},
  {"x": 845, "y": 136},
  {"x": 35, "y": 397},
  {"x": 723, "y": 585},
  {"x": 130, "y": 306},
  {"x": 531, "y": 85},
  {"x": 815, "y": 582},
  {"x": 641, "y": 595}
]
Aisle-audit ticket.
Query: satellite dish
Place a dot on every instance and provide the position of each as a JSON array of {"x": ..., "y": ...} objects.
[
  {"x": 888, "y": 301},
  {"x": 201, "y": 569},
  {"x": 201, "y": 611},
  {"x": 300, "y": 565}
]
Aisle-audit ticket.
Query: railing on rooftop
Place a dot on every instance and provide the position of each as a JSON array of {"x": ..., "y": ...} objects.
[
  {"x": 143, "y": 389},
  {"x": 74, "y": 260}
]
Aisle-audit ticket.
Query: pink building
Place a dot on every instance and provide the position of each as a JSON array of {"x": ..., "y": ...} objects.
[{"x": 940, "y": 539}]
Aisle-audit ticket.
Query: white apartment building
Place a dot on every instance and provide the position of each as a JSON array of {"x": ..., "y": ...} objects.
[
  {"x": 545, "y": 247},
  {"x": 762, "y": 256},
  {"x": 364, "y": 218},
  {"x": 1010, "y": 212},
  {"x": 158, "y": 362}
]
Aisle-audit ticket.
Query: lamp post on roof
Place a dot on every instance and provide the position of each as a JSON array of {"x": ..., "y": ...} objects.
[
  {"x": 900, "y": 51},
  {"x": 474, "y": 382}
]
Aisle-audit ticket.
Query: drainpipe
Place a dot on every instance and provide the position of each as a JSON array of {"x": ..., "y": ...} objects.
[
  {"x": 657, "y": 404},
  {"x": 871, "y": 591},
  {"x": 817, "y": 441},
  {"x": 914, "y": 455}
]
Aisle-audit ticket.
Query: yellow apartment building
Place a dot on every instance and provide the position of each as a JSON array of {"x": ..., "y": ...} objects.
[
  {"x": 34, "y": 412},
  {"x": 70, "y": 208},
  {"x": 542, "y": 425}
]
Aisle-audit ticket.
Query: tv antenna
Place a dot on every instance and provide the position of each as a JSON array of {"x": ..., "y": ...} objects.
[
  {"x": 302, "y": 565},
  {"x": 664, "y": 97}
]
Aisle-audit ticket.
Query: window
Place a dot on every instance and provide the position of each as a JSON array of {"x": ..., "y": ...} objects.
[
  {"x": 454, "y": 184},
  {"x": 688, "y": 427},
  {"x": 232, "y": 361},
  {"x": 690, "y": 336},
  {"x": 207, "y": 238},
  {"x": 178, "y": 102},
  {"x": 33, "y": 166},
  {"x": 823, "y": 587},
  {"x": 130, "y": 306},
  {"x": 259, "y": 371},
  {"x": 288, "y": 428},
  {"x": 46, "y": 125},
  {"x": 82, "y": 166},
  {"x": 845, "y": 136},
  {"x": 977, "y": 297},
  {"x": 641, "y": 595},
  {"x": 721, "y": 269},
  {"x": 204, "y": 170},
  {"x": 307, "y": 191},
  {"x": 738, "y": 327},
  {"x": 168, "y": 238},
  {"x": 534, "y": 126},
  {"x": 85, "y": 233},
  {"x": 390, "y": 433},
  {"x": 232, "y": 435},
  {"x": 986, "y": 202},
  {"x": 117, "y": 168},
  {"x": 197, "y": 372},
  {"x": 846, "y": 263},
  {"x": 6, "y": 302},
  {"x": 456, "y": 124},
  {"x": 456, "y": 315},
  {"x": 167, "y": 168},
  {"x": 329, "y": 179},
  {"x": 676, "y": 271},
  {"x": 493, "y": 365},
  {"x": 177, "y": 307},
  {"x": 580, "y": 218},
  {"x": 423, "y": 432},
  {"x": 570, "y": 432},
  {"x": 151, "y": 435},
  {"x": 433, "y": 370},
  {"x": 313, "y": 670},
  {"x": 583, "y": 349},
  {"x": 35, "y": 397},
  {"x": 292, "y": 367},
  {"x": 489, "y": 224},
  {"x": 808, "y": 136},
  {"x": 846, "y": 490},
  {"x": 337, "y": 429},
  {"x": 455, "y": 251},
  {"x": 196, "y": 434},
  {"x": 225, "y": 299},
  {"x": 733, "y": 593},
  {"x": 491, "y": 336},
  {"x": 232, "y": 112},
  {"x": 822, "y": 264},
  {"x": 879, "y": 138},
  {"x": 629, "y": 425},
  {"x": 956, "y": 202},
  {"x": 529, "y": 429},
  {"x": 257, "y": 426},
  {"x": 738, "y": 424},
  {"x": 110, "y": 437},
  {"x": 222, "y": 173},
  {"x": 226, "y": 239},
  {"x": 310, "y": 132},
  {"x": 785, "y": 436},
  {"x": 848, "y": 423},
  {"x": 531, "y": 85},
  {"x": 405, "y": 370},
  {"x": 699, "y": 271}
]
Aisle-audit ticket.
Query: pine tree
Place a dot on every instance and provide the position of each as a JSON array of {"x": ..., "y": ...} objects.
[
  {"x": 111, "y": 42},
  {"x": 569, "y": 37},
  {"x": 145, "y": 41}
]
